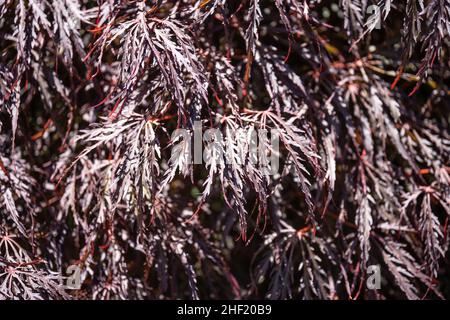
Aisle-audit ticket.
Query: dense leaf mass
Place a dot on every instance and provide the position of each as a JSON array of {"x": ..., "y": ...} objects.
[{"x": 91, "y": 91}]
